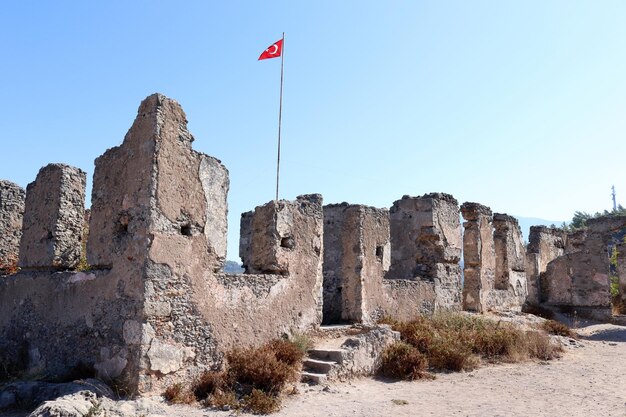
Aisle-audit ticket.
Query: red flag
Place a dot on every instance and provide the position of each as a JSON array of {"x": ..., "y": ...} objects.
[{"x": 274, "y": 51}]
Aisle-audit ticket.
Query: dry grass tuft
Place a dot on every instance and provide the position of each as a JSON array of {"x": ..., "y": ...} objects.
[
  {"x": 403, "y": 361},
  {"x": 177, "y": 394},
  {"x": 254, "y": 378},
  {"x": 209, "y": 383},
  {"x": 260, "y": 368},
  {"x": 456, "y": 342},
  {"x": 224, "y": 400},
  {"x": 558, "y": 328},
  {"x": 259, "y": 402}
]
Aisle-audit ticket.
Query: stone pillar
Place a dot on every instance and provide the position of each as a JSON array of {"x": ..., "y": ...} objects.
[
  {"x": 510, "y": 257},
  {"x": 544, "y": 245},
  {"x": 53, "y": 218},
  {"x": 478, "y": 255},
  {"x": 11, "y": 214},
  {"x": 273, "y": 232},
  {"x": 356, "y": 257},
  {"x": 621, "y": 274},
  {"x": 426, "y": 244}
]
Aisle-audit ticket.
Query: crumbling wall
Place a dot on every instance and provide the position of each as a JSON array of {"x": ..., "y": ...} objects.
[
  {"x": 510, "y": 282},
  {"x": 53, "y": 218},
  {"x": 426, "y": 244},
  {"x": 156, "y": 307},
  {"x": 579, "y": 279},
  {"x": 334, "y": 257},
  {"x": 478, "y": 255},
  {"x": 544, "y": 245},
  {"x": 11, "y": 214},
  {"x": 620, "y": 270},
  {"x": 356, "y": 258}
]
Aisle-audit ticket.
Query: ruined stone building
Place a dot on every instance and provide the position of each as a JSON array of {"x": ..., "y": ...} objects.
[{"x": 156, "y": 307}]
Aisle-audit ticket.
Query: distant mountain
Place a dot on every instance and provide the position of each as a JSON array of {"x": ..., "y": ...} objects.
[
  {"x": 232, "y": 267},
  {"x": 526, "y": 222}
]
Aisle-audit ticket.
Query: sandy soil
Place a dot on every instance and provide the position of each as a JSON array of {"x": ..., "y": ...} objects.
[{"x": 590, "y": 380}]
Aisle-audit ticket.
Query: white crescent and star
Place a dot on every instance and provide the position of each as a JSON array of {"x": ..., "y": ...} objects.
[{"x": 275, "y": 49}]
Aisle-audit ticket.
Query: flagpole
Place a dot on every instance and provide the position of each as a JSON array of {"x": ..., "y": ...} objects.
[{"x": 280, "y": 112}]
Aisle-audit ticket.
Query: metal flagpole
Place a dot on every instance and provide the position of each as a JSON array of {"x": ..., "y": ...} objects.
[{"x": 280, "y": 111}]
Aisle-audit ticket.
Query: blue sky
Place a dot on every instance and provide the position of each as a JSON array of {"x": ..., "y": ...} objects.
[{"x": 519, "y": 105}]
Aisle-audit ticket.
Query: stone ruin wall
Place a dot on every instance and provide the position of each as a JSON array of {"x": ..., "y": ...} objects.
[
  {"x": 156, "y": 307},
  {"x": 577, "y": 278},
  {"x": 545, "y": 244},
  {"x": 11, "y": 213}
]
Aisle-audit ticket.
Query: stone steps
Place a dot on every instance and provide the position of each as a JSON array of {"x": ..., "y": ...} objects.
[
  {"x": 313, "y": 378},
  {"x": 319, "y": 363}
]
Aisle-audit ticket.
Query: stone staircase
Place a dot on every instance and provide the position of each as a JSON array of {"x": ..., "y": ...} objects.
[{"x": 320, "y": 363}]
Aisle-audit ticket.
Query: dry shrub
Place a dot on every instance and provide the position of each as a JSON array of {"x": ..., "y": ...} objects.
[
  {"x": 403, "y": 361},
  {"x": 224, "y": 399},
  {"x": 538, "y": 310},
  {"x": 539, "y": 346},
  {"x": 210, "y": 382},
  {"x": 177, "y": 394},
  {"x": 557, "y": 328},
  {"x": 501, "y": 341},
  {"x": 259, "y": 402},
  {"x": 455, "y": 342},
  {"x": 287, "y": 352},
  {"x": 254, "y": 377},
  {"x": 260, "y": 369}
]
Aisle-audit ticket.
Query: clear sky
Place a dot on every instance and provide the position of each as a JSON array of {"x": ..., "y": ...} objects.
[{"x": 519, "y": 105}]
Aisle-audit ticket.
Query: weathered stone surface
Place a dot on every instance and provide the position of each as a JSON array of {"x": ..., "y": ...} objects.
[
  {"x": 53, "y": 218},
  {"x": 621, "y": 270},
  {"x": 362, "y": 354},
  {"x": 37, "y": 392},
  {"x": 479, "y": 256},
  {"x": 271, "y": 234},
  {"x": 11, "y": 213},
  {"x": 426, "y": 244},
  {"x": 544, "y": 245},
  {"x": 580, "y": 277},
  {"x": 356, "y": 258},
  {"x": 510, "y": 263}
]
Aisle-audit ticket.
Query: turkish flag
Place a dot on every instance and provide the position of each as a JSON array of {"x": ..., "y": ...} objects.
[{"x": 274, "y": 51}]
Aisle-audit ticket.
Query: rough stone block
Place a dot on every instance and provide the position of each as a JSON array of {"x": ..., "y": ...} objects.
[
  {"x": 356, "y": 257},
  {"x": 11, "y": 215},
  {"x": 426, "y": 243},
  {"x": 544, "y": 245},
  {"x": 479, "y": 256},
  {"x": 53, "y": 218},
  {"x": 510, "y": 252},
  {"x": 272, "y": 234}
]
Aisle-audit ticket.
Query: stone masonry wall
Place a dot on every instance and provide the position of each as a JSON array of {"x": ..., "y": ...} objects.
[
  {"x": 510, "y": 282},
  {"x": 426, "y": 244},
  {"x": 156, "y": 308},
  {"x": 356, "y": 259},
  {"x": 53, "y": 218},
  {"x": 479, "y": 256},
  {"x": 544, "y": 245},
  {"x": 334, "y": 216},
  {"x": 580, "y": 278},
  {"x": 11, "y": 214}
]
